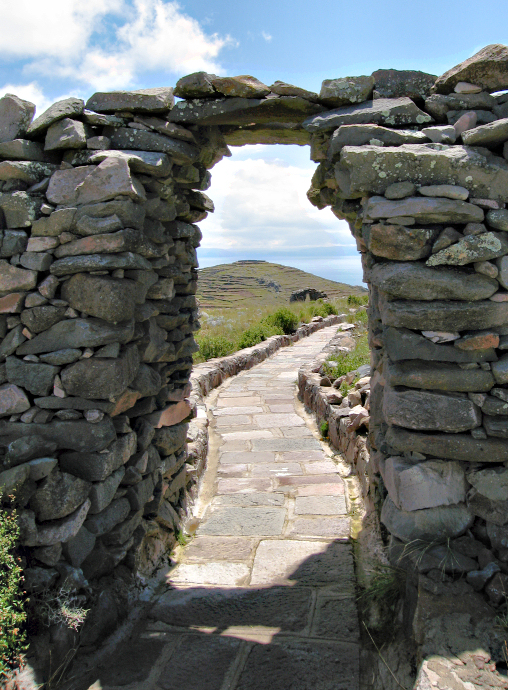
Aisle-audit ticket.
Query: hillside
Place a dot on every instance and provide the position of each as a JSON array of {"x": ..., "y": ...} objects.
[{"x": 260, "y": 283}]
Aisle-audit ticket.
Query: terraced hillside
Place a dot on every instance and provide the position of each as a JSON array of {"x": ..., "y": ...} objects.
[{"x": 260, "y": 283}]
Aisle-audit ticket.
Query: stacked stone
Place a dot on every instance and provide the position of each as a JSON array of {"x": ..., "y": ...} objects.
[
  {"x": 421, "y": 175},
  {"x": 97, "y": 313}
]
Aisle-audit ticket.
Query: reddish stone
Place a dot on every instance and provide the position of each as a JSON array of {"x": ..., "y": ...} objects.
[
  {"x": 12, "y": 304},
  {"x": 478, "y": 341},
  {"x": 125, "y": 401},
  {"x": 170, "y": 415}
]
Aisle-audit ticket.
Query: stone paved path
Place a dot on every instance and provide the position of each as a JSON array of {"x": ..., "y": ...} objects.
[{"x": 264, "y": 595}]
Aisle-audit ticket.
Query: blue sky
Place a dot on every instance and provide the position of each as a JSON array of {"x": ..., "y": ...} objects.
[{"x": 57, "y": 48}]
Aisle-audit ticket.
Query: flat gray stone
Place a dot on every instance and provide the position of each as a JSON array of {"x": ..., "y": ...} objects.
[
  {"x": 498, "y": 219},
  {"x": 487, "y": 69},
  {"x": 345, "y": 90},
  {"x": 99, "y": 262},
  {"x": 444, "y": 316},
  {"x": 236, "y": 521},
  {"x": 394, "y": 83},
  {"x": 79, "y": 436},
  {"x": 286, "y": 608},
  {"x": 67, "y": 108},
  {"x": 204, "y": 549},
  {"x": 243, "y": 111},
  {"x": 23, "y": 150},
  {"x": 336, "y": 618},
  {"x": 181, "y": 152},
  {"x": 491, "y": 134},
  {"x": 205, "y": 663},
  {"x": 245, "y": 500},
  {"x": 232, "y": 458},
  {"x": 324, "y": 527},
  {"x": 157, "y": 100},
  {"x": 211, "y": 573},
  {"x": 424, "y": 485},
  {"x": 76, "y": 333},
  {"x": 320, "y": 505},
  {"x": 389, "y": 111},
  {"x": 415, "y": 281},
  {"x": 65, "y": 134},
  {"x": 297, "y": 562},
  {"x": 286, "y": 663},
  {"x": 373, "y": 168},
  {"x": 452, "y": 446},
  {"x": 30, "y": 172},
  {"x": 424, "y": 210},
  {"x": 283, "y": 444},
  {"x": 429, "y": 411},
  {"x": 428, "y": 524},
  {"x": 438, "y": 376}
]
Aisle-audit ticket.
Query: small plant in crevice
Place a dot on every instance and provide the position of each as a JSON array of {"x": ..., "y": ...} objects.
[
  {"x": 379, "y": 601},
  {"x": 62, "y": 606},
  {"x": 12, "y": 597},
  {"x": 323, "y": 428},
  {"x": 182, "y": 538}
]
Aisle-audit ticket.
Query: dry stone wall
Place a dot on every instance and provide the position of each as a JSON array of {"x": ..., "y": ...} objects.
[{"x": 99, "y": 204}]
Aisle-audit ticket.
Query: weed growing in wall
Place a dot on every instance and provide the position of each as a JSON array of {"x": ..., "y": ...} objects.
[{"x": 12, "y": 599}]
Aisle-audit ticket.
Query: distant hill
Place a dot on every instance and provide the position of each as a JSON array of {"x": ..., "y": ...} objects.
[{"x": 249, "y": 283}]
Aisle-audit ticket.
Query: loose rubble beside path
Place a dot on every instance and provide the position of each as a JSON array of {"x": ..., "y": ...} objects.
[{"x": 263, "y": 597}]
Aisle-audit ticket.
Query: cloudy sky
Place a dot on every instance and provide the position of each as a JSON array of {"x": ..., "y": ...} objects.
[{"x": 56, "y": 48}]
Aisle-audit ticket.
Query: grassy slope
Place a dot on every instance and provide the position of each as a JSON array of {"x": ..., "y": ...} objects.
[{"x": 246, "y": 284}]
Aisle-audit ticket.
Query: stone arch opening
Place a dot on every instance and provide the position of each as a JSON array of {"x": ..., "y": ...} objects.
[{"x": 98, "y": 275}]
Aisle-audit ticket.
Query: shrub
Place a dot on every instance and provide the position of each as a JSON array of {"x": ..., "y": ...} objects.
[
  {"x": 324, "y": 429},
  {"x": 12, "y": 612},
  {"x": 357, "y": 300},
  {"x": 257, "y": 333},
  {"x": 211, "y": 346},
  {"x": 284, "y": 319}
]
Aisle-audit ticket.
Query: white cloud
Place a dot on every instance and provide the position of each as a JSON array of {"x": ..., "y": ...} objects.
[
  {"x": 107, "y": 44},
  {"x": 31, "y": 92},
  {"x": 262, "y": 204},
  {"x": 57, "y": 28},
  {"x": 266, "y": 36}
]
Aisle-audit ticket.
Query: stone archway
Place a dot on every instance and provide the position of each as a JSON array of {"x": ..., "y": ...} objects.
[{"x": 99, "y": 205}]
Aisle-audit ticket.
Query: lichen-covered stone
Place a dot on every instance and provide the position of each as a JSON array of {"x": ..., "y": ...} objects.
[
  {"x": 345, "y": 90},
  {"x": 373, "y": 168}
]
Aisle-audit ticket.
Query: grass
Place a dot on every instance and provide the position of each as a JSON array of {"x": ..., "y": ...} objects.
[
  {"x": 12, "y": 597},
  {"x": 383, "y": 594},
  {"x": 224, "y": 331},
  {"x": 349, "y": 361},
  {"x": 323, "y": 428}
]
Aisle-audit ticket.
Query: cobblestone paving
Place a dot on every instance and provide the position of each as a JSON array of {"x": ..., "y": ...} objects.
[{"x": 264, "y": 595}]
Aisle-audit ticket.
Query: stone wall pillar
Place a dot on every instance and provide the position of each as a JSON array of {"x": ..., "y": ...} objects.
[
  {"x": 424, "y": 186},
  {"x": 97, "y": 313}
]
